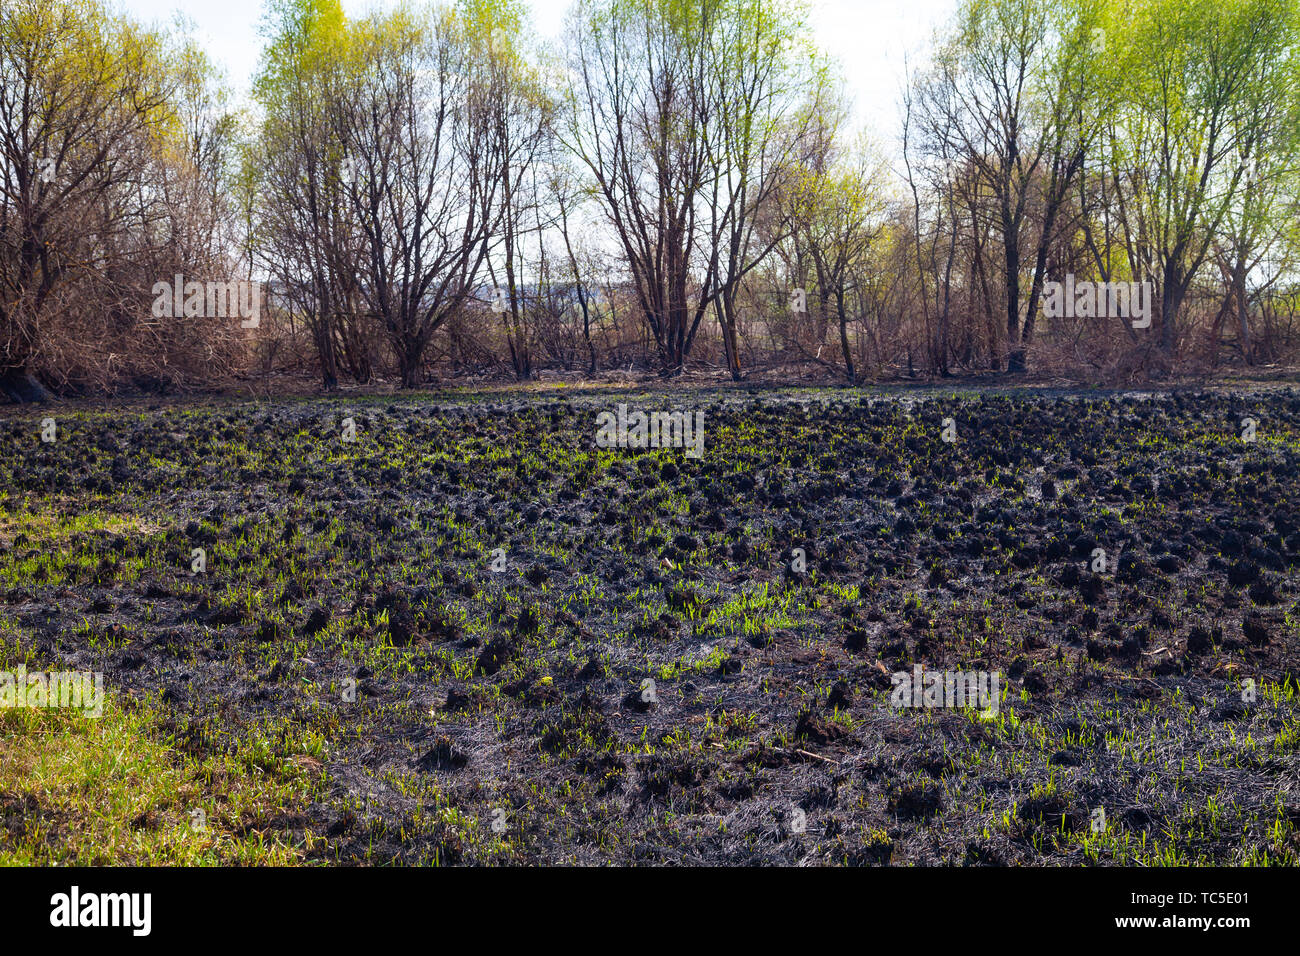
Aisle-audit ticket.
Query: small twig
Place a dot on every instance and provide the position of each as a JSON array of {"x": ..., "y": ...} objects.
[{"x": 805, "y": 753}]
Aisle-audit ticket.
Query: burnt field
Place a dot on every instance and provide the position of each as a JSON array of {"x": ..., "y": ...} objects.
[{"x": 454, "y": 630}]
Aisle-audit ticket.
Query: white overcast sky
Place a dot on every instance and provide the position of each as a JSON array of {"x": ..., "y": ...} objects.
[{"x": 872, "y": 39}]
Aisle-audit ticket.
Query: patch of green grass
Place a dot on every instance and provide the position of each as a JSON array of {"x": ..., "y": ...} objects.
[{"x": 84, "y": 791}]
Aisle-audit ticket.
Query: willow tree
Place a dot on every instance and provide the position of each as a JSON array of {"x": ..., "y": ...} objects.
[
  {"x": 305, "y": 235},
  {"x": 434, "y": 167},
  {"x": 1204, "y": 120},
  {"x": 1253, "y": 249},
  {"x": 681, "y": 112},
  {"x": 1016, "y": 94},
  {"x": 836, "y": 213}
]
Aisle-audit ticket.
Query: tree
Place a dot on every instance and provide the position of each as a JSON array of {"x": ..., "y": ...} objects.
[
  {"x": 434, "y": 161},
  {"x": 836, "y": 215},
  {"x": 1200, "y": 76},
  {"x": 307, "y": 237},
  {"x": 1016, "y": 94},
  {"x": 680, "y": 110}
]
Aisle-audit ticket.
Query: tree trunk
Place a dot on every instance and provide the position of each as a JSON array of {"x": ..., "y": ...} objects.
[
  {"x": 586, "y": 333},
  {"x": 329, "y": 372},
  {"x": 844, "y": 338},
  {"x": 1171, "y": 301},
  {"x": 1243, "y": 320},
  {"x": 409, "y": 362},
  {"x": 1015, "y": 350}
]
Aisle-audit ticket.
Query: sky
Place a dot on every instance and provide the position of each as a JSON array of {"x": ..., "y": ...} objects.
[{"x": 873, "y": 40}]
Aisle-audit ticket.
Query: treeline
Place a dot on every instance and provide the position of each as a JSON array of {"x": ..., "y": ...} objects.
[{"x": 427, "y": 192}]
